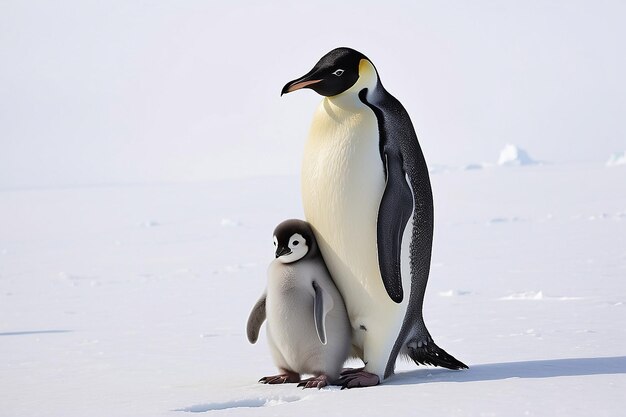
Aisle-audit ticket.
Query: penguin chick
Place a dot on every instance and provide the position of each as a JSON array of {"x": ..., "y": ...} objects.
[{"x": 307, "y": 324}]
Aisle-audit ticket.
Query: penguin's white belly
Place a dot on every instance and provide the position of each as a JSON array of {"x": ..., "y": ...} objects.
[
  {"x": 343, "y": 180},
  {"x": 291, "y": 329}
]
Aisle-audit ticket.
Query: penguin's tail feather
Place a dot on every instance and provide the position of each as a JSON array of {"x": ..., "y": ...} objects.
[{"x": 431, "y": 354}]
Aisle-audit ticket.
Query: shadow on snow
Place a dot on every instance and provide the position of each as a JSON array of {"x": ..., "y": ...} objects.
[
  {"x": 550, "y": 368},
  {"x": 34, "y": 332}
]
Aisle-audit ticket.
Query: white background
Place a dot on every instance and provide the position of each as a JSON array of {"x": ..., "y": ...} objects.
[{"x": 139, "y": 91}]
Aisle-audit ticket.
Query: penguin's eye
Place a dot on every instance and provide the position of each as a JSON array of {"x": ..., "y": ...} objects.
[
  {"x": 338, "y": 72},
  {"x": 296, "y": 243}
]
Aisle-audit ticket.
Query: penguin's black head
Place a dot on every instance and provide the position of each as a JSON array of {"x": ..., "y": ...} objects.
[
  {"x": 293, "y": 240},
  {"x": 336, "y": 72}
]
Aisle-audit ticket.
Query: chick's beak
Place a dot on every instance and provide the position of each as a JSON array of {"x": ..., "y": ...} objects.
[{"x": 282, "y": 250}]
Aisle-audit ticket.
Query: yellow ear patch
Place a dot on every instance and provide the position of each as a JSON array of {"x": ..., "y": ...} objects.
[{"x": 366, "y": 69}]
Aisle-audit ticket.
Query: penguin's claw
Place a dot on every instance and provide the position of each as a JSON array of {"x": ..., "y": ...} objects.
[
  {"x": 287, "y": 377},
  {"x": 426, "y": 352},
  {"x": 358, "y": 378},
  {"x": 318, "y": 382}
]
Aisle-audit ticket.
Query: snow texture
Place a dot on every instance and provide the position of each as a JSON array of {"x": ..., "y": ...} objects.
[
  {"x": 512, "y": 155},
  {"x": 618, "y": 158},
  {"x": 471, "y": 167},
  {"x": 104, "y": 313}
]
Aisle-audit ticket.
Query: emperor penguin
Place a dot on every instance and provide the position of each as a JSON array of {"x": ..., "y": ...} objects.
[
  {"x": 367, "y": 195},
  {"x": 307, "y": 324}
]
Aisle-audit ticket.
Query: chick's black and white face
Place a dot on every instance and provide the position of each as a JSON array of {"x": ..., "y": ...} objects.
[{"x": 292, "y": 250}]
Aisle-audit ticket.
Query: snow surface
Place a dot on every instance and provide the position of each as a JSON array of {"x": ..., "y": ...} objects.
[
  {"x": 512, "y": 155},
  {"x": 618, "y": 158},
  {"x": 131, "y": 300}
]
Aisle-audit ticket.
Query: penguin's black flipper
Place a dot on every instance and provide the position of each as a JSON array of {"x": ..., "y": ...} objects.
[
  {"x": 394, "y": 212},
  {"x": 318, "y": 313},
  {"x": 431, "y": 354},
  {"x": 396, "y": 204}
]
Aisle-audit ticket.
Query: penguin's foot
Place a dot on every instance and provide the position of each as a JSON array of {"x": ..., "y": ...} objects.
[
  {"x": 284, "y": 378},
  {"x": 348, "y": 371},
  {"x": 356, "y": 378},
  {"x": 318, "y": 382},
  {"x": 426, "y": 352}
]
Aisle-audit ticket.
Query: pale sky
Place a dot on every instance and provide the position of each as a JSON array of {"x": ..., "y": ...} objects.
[{"x": 141, "y": 91}]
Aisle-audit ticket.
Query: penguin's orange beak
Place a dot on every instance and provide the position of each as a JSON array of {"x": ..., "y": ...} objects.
[{"x": 296, "y": 85}]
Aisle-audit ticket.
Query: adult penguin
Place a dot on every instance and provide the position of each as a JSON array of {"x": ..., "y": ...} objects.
[{"x": 367, "y": 194}]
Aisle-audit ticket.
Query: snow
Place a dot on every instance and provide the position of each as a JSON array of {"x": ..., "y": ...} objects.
[
  {"x": 617, "y": 158},
  {"x": 471, "y": 167},
  {"x": 131, "y": 300},
  {"x": 512, "y": 155}
]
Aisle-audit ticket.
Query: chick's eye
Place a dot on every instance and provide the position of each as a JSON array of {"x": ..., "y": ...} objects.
[
  {"x": 338, "y": 72},
  {"x": 296, "y": 243}
]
